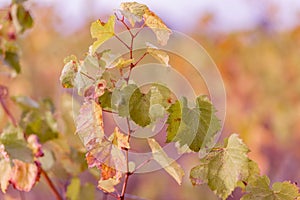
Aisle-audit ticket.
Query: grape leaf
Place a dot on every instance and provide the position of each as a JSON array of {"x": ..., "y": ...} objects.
[
  {"x": 160, "y": 29},
  {"x": 170, "y": 165},
  {"x": 133, "y": 11},
  {"x": 39, "y": 121},
  {"x": 160, "y": 55},
  {"x": 119, "y": 139},
  {"x": 105, "y": 100},
  {"x": 102, "y": 31},
  {"x": 219, "y": 163},
  {"x": 5, "y": 169},
  {"x": 23, "y": 175},
  {"x": 259, "y": 189},
  {"x": 121, "y": 98},
  {"x": 15, "y": 144},
  {"x": 195, "y": 127},
  {"x": 89, "y": 124},
  {"x": 11, "y": 59},
  {"x": 108, "y": 185},
  {"x": 68, "y": 74},
  {"x": 139, "y": 105},
  {"x": 123, "y": 63}
]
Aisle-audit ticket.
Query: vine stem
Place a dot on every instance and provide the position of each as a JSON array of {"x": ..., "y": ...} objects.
[
  {"x": 3, "y": 96},
  {"x": 51, "y": 185}
]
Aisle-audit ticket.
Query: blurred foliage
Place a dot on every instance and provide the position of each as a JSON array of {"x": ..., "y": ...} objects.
[{"x": 260, "y": 69}]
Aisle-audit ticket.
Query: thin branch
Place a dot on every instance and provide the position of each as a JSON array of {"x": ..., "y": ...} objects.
[
  {"x": 139, "y": 30},
  {"x": 109, "y": 111},
  {"x": 22, "y": 196},
  {"x": 141, "y": 58},
  {"x": 142, "y": 164},
  {"x": 88, "y": 76},
  {"x": 3, "y": 96},
  {"x": 51, "y": 185},
  {"x": 126, "y": 45}
]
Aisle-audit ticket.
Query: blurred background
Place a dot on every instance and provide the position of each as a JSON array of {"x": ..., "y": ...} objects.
[{"x": 255, "y": 44}]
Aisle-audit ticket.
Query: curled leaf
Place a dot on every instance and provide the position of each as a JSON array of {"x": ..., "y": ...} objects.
[
  {"x": 160, "y": 55},
  {"x": 170, "y": 165}
]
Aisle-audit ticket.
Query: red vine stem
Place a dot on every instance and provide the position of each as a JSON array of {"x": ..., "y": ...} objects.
[
  {"x": 51, "y": 185},
  {"x": 3, "y": 96}
]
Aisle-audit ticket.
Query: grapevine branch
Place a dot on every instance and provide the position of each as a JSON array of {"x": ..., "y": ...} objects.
[
  {"x": 51, "y": 185},
  {"x": 3, "y": 96}
]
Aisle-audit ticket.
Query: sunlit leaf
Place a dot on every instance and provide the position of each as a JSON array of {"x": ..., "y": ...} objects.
[
  {"x": 89, "y": 124},
  {"x": 259, "y": 189},
  {"x": 170, "y": 165},
  {"x": 108, "y": 185},
  {"x": 133, "y": 11},
  {"x": 215, "y": 168},
  {"x": 160, "y": 29},
  {"x": 160, "y": 55},
  {"x": 119, "y": 139},
  {"x": 23, "y": 175},
  {"x": 5, "y": 169},
  {"x": 102, "y": 31}
]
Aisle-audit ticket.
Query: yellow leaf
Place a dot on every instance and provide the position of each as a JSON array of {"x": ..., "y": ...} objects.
[
  {"x": 102, "y": 31},
  {"x": 170, "y": 165},
  {"x": 160, "y": 29},
  {"x": 23, "y": 175},
  {"x": 161, "y": 56},
  {"x": 119, "y": 139},
  {"x": 108, "y": 185},
  {"x": 122, "y": 63}
]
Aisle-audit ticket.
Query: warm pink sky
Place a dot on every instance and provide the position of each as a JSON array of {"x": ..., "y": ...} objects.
[{"x": 230, "y": 15}]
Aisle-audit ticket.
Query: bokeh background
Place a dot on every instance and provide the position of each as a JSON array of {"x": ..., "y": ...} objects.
[{"x": 255, "y": 44}]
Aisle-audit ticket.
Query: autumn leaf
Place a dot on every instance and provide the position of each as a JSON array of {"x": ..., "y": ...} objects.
[
  {"x": 102, "y": 31},
  {"x": 160, "y": 55},
  {"x": 68, "y": 74},
  {"x": 133, "y": 11},
  {"x": 160, "y": 29},
  {"x": 170, "y": 165},
  {"x": 23, "y": 175}
]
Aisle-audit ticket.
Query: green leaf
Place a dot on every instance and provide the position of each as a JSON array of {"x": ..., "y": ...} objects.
[
  {"x": 170, "y": 165},
  {"x": 102, "y": 31},
  {"x": 223, "y": 167},
  {"x": 15, "y": 144},
  {"x": 22, "y": 19},
  {"x": 259, "y": 189},
  {"x": 121, "y": 99},
  {"x": 39, "y": 121},
  {"x": 133, "y": 11},
  {"x": 159, "y": 55},
  {"x": 12, "y": 60},
  {"x": 139, "y": 105},
  {"x": 68, "y": 74},
  {"x": 195, "y": 127},
  {"x": 105, "y": 100},
  {"x": 73, "y": 189},
  {"x": 182, "y": 123}
]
